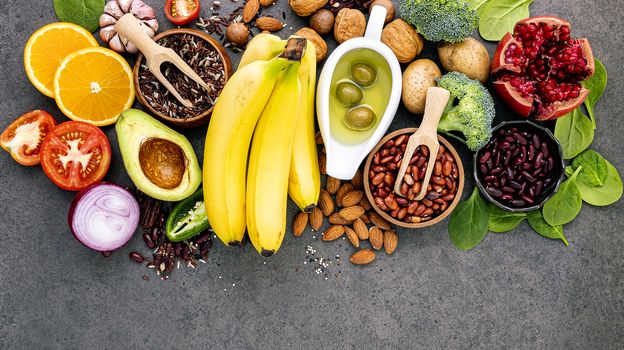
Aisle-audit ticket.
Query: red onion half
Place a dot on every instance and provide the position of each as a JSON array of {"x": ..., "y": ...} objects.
[{"x": 104, "y": 216}]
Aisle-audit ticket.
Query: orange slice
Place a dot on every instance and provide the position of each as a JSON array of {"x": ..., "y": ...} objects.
[
  {"x": 94, "y": 85},
  {"x": 47, "y": 47}
]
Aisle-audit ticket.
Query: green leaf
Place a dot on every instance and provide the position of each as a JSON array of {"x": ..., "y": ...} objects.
[
  {"x": 596, "y": 85},
  {"x": 594, "y": 171},
  {"x": 502, "y": 220},
  {"x": 539, "y": 225},
  {"x": 607, "y": 194},
  {"x": 575, "y": 133},
  {"x": 85, "y": 13},
  {"x": 499, "y": 17},
  {"x": 478, "y": 5},
  {"x": 469, "y": 222},
  {"x": 564, "y": 205}
]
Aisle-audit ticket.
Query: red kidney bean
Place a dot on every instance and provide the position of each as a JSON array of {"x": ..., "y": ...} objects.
[
  {"x": 137, "y": 257},
  {"x": 485, "y": 157},
  {"x": 148, "y": 240},
  {"x": 494, "y": 191}
]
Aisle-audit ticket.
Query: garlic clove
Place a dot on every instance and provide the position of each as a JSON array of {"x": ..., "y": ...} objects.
[
  {"x": 131, "y": 48},
  {"x": 112, "y": 8},
  {"x": 107, "y": 33},
  {"x": 107, "y": 20},
  {"x": 142, "y": 11},
  {"x": 153, "y": 24},
  {"x": 148, "y": 30},
  {"x": 125, "y": 4},
  {"x": 116, "y": 45}
]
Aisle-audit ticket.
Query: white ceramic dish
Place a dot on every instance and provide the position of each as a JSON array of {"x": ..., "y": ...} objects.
[{"x": 344, "y": 160}]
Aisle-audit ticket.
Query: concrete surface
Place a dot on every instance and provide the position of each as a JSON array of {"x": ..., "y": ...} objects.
[{"x": 514, "y": 291}]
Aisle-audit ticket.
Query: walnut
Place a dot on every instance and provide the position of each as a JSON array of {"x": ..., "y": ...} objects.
[
  {"x": 389, "y": 8},
  {"x": 319, "y": 43},
  {"x": 403, "y": 40},
  {"x": 349, "y": 24},
  {"x": 304, "y": 8},
  {"x": 322, "y": 21},
  {"x": 237, "y": 33}
]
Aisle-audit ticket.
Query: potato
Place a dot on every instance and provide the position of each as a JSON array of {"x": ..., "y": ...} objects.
[
  {"x": 419, "y": 76},
  {"x": 469, "y": 57}
]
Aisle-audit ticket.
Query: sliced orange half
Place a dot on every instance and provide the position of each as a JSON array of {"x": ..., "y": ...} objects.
[
  {"x": 47, "y": 47},
  {"x": 94, "y": 85}
]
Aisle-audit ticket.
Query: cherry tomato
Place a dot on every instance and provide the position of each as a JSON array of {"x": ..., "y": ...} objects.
[
  {"x": 75, "y": 155},
  {"x": 182, "y": 12},
  {"x": 23, "y": 138}
]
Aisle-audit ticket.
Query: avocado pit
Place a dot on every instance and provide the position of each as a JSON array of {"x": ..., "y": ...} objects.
[{"x": 163, "y": 162}]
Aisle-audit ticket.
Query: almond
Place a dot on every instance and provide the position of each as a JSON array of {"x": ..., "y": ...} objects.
[
  {"x": 377, "y": 220},
  {"x": 360, "y": 229},
  {"x": 365, "y": 218},
  {"x": 332, "y": 185},
  {"x": 322, "y": 163},
  {"x": 351, "y": 213},
  {"x": 357, "y": 180},
  {"x": 364, "y": 203},
  {"x": 353, "y": 238},
  {"x": 390, "y": 241},
  {"x": 250, "y": 10},
  {"x": 362, "y": 257},
  {"x": 326, "y": 203},
  {"x": 336, "y": 219},
  {"x": 316, "y": 219},
  {"x": 267, "y": 3},
  {"x": 269, "y": 24},
  {"x": 300, "y": 223},
  {"x": 342, "y": 191},
  {"x": 352, "y": 198},
  {"x": 333, "y": 232},
  {"x": 376, "y": 237}
]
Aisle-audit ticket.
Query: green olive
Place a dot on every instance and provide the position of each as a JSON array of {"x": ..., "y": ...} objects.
[
  {"x": 349, "y": 93},
  {"x": 364, "y": 74},
  {"x": 360, "y": 118}
]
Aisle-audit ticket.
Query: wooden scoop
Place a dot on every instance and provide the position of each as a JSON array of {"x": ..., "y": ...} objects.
[
  {"x": 155, "y": 55},
  {"x": 427, "y": 135}
]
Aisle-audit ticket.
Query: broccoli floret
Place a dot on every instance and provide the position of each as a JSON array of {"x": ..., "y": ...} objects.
[
  {"x": 470, "y": 110},
  {"x": 437, "y": 20}
]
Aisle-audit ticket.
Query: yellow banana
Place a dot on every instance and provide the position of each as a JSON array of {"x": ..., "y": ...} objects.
[
  {"x": 304, "y": 183},
  {"x": 262, "y": 47},
  {"x": 228, "y": 138},
  {"x": 269, "y": 165}
]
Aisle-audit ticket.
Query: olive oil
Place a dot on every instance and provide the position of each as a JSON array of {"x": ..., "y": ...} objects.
[{"x": 375, "y": 96}]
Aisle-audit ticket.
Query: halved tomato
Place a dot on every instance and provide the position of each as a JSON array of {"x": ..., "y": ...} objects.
[
  {"x": 23, "y": 138},
  {"x": 75, "y": 155},
  {"x": 182, "y": 12}
]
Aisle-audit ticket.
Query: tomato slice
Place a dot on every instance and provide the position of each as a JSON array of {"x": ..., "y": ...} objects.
[
  {"x": 23, "y": 138},
  {"x": 75, "y": 155},
  {"x": 182, "y": 12}
]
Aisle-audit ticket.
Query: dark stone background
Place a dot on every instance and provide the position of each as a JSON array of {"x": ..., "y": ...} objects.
[{"x": 515, "y": 290}]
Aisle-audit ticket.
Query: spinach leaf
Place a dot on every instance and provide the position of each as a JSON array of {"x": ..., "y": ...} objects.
[
  {"x": 502, "y": 220},
  {"x": 575, "y": 132},
  {"x": 499, "y": 17},
  {"x": 469, "y": 222},
  {"x": 565, "y": 205},
  {"x": 85, "y": 13},
  {"x": 607, "y": 194},
  {"x": 594, "y": 171},
  {"x": 478, "y": 5},
  {"x": 596, "y": 85},
  {"x": 539, "y": 225}
]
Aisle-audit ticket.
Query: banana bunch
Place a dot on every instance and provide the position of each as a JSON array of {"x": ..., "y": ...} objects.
[{"x": 268, "y": 104}]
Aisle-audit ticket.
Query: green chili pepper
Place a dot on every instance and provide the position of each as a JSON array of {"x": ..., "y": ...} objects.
[{"x": 188, "y": 218}]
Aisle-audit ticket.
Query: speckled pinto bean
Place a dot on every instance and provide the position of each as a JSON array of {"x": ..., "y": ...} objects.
[{"x": 441, "y": 190}]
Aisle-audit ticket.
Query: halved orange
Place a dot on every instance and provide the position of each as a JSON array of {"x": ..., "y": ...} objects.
[
  {"x": 47, "y": 47},
  {"x": 94, "y": 85}
]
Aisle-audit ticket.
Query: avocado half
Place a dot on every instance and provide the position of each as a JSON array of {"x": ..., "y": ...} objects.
[{"x": 160, "y": 161}]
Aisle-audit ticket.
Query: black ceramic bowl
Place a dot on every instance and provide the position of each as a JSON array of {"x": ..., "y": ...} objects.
[{"x": 516, "y": 180}]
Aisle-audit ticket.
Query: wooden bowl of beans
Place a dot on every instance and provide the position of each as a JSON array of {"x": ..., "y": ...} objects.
[{"x": 443, "y": 192}]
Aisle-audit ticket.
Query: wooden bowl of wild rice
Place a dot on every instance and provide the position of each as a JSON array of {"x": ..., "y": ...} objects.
[{"x": 205, "y": 56}]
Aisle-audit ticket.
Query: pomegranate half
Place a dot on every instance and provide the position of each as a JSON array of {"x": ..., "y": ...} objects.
[{"x": 538, "y": 69}]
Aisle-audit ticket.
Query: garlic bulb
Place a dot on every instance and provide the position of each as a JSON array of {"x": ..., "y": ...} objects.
[{"x": 113, "y": 10}]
